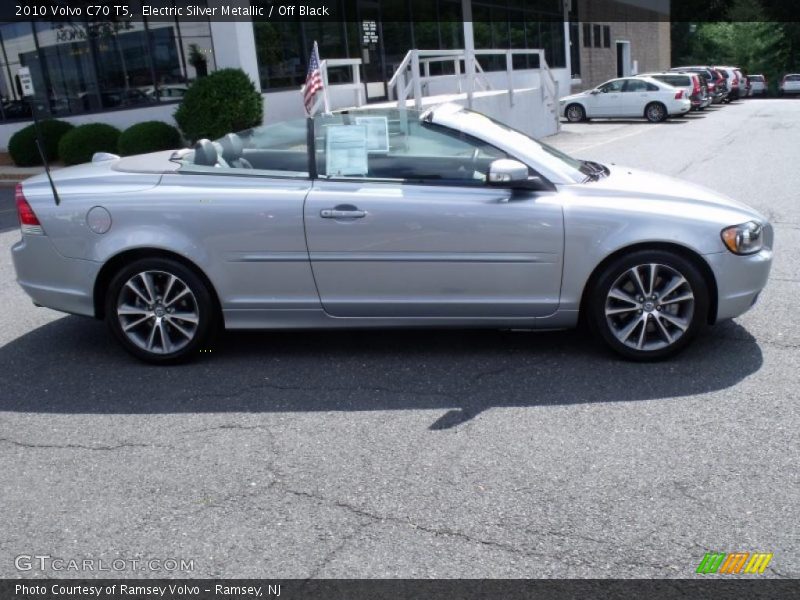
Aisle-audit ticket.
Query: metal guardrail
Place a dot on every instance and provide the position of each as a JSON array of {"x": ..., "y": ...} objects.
[
  {"x": 356, "y": 86},
  {"x": 413, "y": 73}
]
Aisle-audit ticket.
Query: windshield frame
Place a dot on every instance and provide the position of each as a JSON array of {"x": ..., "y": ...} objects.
[{"x": 555, "y": 165}]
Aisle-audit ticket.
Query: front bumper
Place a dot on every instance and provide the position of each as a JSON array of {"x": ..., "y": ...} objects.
[
  {"x": 740, "y": 280},
  {"x": 53, "y": 280}
]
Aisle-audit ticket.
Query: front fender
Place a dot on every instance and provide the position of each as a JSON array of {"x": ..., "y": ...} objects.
[{"x": 594, "y": 235}]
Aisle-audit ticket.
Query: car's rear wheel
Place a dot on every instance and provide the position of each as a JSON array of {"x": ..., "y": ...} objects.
[
  {"x": 159, "y": 310},
  {"x": 655, "y": 112},
  {"x": 648, "y": 305},
  {"x": 575, "y": 113}
]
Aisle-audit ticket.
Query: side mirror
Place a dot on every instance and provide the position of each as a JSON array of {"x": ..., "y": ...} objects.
[
  {"x": 509, "y": 173},
  {"x": 595, "y": 91},
  {"x": 505, "y": 171}
]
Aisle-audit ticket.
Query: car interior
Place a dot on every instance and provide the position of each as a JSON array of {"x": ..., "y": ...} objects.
[{"x": 422, "y": 153}]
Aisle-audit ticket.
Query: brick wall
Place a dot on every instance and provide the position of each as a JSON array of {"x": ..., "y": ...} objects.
[{"x": 647, "y": 32}]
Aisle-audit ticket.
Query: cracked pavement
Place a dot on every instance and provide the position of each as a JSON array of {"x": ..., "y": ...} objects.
[{"x": 425, "y": 453}]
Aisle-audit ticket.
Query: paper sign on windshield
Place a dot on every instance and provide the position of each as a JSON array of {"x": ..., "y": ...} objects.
[
  {"x": 346, "y": 150},
  {"x": 377, "y": 133}
]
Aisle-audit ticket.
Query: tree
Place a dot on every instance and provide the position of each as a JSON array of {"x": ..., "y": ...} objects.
[{"x": 747, "y": 39}]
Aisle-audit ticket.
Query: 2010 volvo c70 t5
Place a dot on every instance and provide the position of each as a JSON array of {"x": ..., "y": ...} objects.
[{"x": 385, "y": 218}]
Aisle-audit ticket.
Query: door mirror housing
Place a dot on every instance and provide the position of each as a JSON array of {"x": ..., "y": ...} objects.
[
  {"x": 595, "y": 91},
  {"x": 506, "y": 172},
  {"x": 509, "y": 173}
]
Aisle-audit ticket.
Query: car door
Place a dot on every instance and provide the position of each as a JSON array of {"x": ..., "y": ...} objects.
[
  {"x": 405, "y": 226},
  {"x": 636, "y": 95},
  {"x": 607, "y": 102},
  {"x": 241, "y": 199}
]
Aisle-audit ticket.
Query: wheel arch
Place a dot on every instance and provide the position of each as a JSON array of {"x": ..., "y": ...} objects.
[
  {"x": 118, "y": 261},
  {"x": 696, "y": 259}
]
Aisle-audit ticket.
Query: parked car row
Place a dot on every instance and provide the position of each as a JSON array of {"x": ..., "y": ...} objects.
[{"x": 658, "y": 96}]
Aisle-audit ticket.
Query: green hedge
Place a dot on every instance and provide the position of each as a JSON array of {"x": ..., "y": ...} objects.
[
  {"x": 150, "y": 136},
  {"x": 223, "y": 102},
  {"x": 22, "y": 145},
  {"x": 78, "y": 145}
]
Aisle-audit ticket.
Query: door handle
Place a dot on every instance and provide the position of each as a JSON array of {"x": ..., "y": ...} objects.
[{"x": 342, "y": 213}]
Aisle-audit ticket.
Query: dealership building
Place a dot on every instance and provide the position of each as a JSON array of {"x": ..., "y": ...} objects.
[{"x": 511, "y": 58}]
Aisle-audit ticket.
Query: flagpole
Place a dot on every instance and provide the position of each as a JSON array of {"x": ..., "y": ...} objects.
[{"x": 324, "y": 74}]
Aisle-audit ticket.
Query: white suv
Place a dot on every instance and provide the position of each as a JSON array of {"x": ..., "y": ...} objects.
[
  {"x": 790, "y": 84},
  {"x": 693, "y": 86},
  {"x": 758, "y": 85}
]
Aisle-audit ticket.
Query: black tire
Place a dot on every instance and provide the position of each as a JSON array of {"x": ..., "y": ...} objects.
[
  {"x": 196, "y": 311},
  {"x": 575, "y": 113},
  {"x": 656, "y": 112},
  {"x": 656, "y": 323}
]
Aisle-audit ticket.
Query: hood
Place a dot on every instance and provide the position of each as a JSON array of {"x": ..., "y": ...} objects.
[
  {"x": 574, "y": 96},
  {"x": 667, "y": 194}
]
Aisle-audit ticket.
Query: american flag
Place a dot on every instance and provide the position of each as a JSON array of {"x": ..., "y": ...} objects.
[{"x": 313, "y": 80}]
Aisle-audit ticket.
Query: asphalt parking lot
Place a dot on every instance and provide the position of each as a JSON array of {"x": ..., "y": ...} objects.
[{"x": 426, "y": 454}]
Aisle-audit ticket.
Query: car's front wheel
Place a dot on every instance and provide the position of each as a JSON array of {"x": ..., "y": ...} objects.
[
  {"x": 655, "y": 112},
  {"x": 575, "y": 113},
  {"x": 648, "y": 305},
  {"x": 159, "y": 310}
]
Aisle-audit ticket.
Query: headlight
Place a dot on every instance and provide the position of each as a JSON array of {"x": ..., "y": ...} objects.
[{"x": 743, "y": 239}]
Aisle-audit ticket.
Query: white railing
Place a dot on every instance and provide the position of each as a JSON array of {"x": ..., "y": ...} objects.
[
  {"x": 356, "y": 86},
  {"x": 413, "y": 74}
]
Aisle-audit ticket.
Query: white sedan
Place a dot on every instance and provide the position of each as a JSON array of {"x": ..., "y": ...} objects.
[{"x": 625, "y": 98}]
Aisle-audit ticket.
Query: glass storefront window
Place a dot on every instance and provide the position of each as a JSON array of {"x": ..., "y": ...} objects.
[
  {"x": 86, "y": 66},
  {"x": 280, "y": 57}
]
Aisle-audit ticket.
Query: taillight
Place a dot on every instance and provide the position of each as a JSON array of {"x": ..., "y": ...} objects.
[
  {"x": 28, "y": 221},
  {"x": 679, "y": 95},
  {"x": 696, "y": 88}
]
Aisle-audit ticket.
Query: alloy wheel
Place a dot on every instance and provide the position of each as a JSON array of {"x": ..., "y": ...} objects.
[
  {"x": 650, "y": 307},
  {"x": 655, "y": 112},
  {"x": 574, "y": 113},
  {"x": 158, "y": 312}
]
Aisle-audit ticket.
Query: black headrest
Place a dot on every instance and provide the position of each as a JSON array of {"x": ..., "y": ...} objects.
[
  {"x": 232, "y": 147},
  {"x": 205, "y": 154}
]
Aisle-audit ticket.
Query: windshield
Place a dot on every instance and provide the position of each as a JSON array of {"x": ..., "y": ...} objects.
[{"x": 552, "y": 163}]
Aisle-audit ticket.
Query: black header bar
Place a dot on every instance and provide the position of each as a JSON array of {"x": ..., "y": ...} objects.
[{"x": 389, "y": 10}]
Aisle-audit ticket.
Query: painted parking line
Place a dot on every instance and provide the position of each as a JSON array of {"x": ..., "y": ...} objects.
[{"x": 648, "y": 127}]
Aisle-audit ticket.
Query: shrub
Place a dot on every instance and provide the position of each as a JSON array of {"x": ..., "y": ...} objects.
[
  {"x": 220, "y": 103},
  {"x": 22, "y": 145},
  {"x": 149, "y": 136},
  {"x": 78, "y": 145}
]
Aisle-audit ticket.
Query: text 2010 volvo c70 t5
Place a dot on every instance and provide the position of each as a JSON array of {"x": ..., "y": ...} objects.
[{"x": 385, "y": 218}]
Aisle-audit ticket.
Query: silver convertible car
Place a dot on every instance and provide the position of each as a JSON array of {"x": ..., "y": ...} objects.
[{"x": 385, "y": 218}]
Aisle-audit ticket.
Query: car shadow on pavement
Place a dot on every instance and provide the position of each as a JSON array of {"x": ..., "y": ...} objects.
[
  {"x": 642, "y": 121},
  {"x": 71, "y": 365}
]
